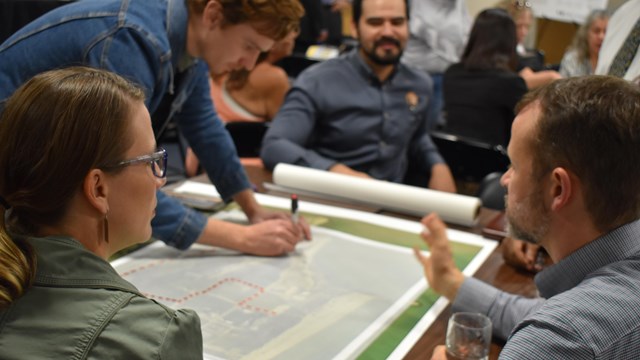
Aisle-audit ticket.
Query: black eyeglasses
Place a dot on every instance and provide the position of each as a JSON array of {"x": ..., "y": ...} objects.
[{"x": 157, "y": 160}]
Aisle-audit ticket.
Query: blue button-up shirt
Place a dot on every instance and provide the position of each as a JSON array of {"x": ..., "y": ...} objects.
[
  {"x": 339, "y": 112},
  {"x": 588, "y": 309},
  {"x": 144, "y": 41}
]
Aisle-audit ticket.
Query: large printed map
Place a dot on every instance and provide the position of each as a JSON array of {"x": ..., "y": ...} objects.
[{"x": 354, "y": 291}]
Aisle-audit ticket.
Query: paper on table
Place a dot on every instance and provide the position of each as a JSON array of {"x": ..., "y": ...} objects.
[
  {"x": 197, "y": 188},
  {"x": 199, "y": 196},
  {"x": 453, "y": 208}
]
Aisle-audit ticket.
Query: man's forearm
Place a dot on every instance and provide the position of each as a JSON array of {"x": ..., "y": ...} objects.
[
  {"x": 247, "y": 201},
  {"x": 441, "y": 178},
  {"x": 222, "y": 234}
]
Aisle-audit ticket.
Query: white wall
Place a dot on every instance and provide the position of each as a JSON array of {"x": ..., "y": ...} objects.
[{"x": 475, "y": 6}]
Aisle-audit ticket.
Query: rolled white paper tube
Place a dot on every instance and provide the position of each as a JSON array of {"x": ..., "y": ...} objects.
[{"x": 453, "y": 208}]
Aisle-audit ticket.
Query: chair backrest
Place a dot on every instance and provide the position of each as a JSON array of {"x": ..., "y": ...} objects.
[
  {"x": 470, "y": 160},
  {"x": 296, "y": 63},
  {"x": 534, "y": 59},
  {"x": 247, "y": 136},
  {"x": 491, "y": 192}
]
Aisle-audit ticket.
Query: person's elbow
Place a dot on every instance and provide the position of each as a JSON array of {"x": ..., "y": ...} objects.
[
  {"x": 441, "y": 178},
  {"x": 268, "y": 155}
]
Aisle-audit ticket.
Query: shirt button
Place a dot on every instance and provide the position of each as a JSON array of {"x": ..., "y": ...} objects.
[
  {"x": 385, "y": 116},
  {"x": 383, "y": 144}
]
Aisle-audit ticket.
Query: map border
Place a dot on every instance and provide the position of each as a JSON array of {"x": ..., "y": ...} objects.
[{"x": 384, "y": 337}]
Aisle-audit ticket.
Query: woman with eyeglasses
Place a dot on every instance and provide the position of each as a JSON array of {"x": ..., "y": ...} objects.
[{"x": 79, "y": 170}]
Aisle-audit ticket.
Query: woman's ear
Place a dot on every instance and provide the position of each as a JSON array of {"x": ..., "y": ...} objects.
[
  {"x": 212, "y": 15},
  {"x": 96, "y": 189}
]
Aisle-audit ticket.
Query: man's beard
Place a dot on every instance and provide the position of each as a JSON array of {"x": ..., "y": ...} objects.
[
  {"x": 529, "y": 213},
  {"x": 388, "y": 58}
]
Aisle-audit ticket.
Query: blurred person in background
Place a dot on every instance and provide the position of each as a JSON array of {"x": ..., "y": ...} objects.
[
  {"x": 581, "y": 57},
  {"x": 438, "y": 32},
  {"x": 530, "y": 66}
]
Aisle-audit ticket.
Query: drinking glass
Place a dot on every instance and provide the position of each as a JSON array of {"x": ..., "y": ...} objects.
[{"x": 468, "y": 336}]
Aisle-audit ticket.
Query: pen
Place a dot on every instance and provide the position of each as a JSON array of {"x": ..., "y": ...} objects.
[{"x": 294, "y": 208}]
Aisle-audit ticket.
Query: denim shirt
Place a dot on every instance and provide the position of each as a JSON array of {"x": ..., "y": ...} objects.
[{"x": 144, "y": 41}]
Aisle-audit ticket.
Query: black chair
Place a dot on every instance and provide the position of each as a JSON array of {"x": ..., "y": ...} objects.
[
  {"x": 533, "y": 59},
  {"x": 470, "y": 160},
  {"x": 15, "y": 14},
  {"x": 296, "y": 63},
  {"x": 491, "y": 192},
  {"x": 247, "y": 136},
  {"x": 171, "y": 139}
]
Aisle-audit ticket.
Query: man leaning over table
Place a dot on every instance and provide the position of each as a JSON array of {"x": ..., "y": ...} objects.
[
  {"x": 572, "y": 188},
  {"x": 362, "y": 114},
  {"x": 168, "y": 48}
]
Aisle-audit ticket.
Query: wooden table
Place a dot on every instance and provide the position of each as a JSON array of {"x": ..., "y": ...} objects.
[{"x": 494, "y": 271}]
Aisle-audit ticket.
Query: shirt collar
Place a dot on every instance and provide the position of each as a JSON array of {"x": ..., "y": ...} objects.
[
  {"x": 614, "y": 246},
  {"x": 185, "y": 62},
  {"x": 355, "y": 58},
  {"x": 177, "y": 22}
]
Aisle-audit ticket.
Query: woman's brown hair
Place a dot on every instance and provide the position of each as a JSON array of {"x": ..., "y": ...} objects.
[{"x": 54, "y": 129}]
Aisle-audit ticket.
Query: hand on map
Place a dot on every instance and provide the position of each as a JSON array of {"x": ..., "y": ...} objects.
[
  {"x": 440, "y": 270},
  {"x": 274, "y": 233},
  {"x": 521, "y": 254},
  {"x": 272, "y": 237}
]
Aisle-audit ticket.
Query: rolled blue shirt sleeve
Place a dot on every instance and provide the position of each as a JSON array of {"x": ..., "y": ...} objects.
[
  {"x": 210, "y": 141},
  {"x": 288, "y": 136},
  {"x": 175, "y": 224},
  {"x": 505, "y": 310}
]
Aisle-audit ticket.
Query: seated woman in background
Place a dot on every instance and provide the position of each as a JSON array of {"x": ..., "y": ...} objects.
[
  {"x": 79, "y": 170},
  {"x": 480, "y": 92},
  {"x": 250, "y": 95},
  {"x": 582, "y": 56},
  {"x": 257, "y": 94},
  {"x": 530, "y": 68}
]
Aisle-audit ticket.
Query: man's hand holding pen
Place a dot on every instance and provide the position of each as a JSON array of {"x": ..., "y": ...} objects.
[{"x": 294, "y": 209}]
